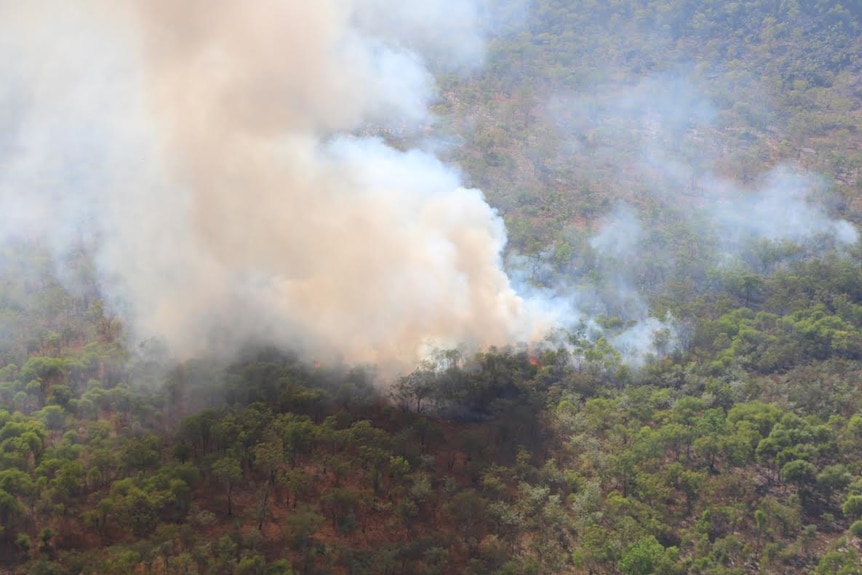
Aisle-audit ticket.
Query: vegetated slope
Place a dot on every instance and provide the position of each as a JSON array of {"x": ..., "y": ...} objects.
[
  {"x": 740, "y": 454},
  {"x": 736, "y": 452},
  {"x": 555, "y": 126}
]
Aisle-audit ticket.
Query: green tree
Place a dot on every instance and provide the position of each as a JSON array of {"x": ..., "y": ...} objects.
[
  {"x": 302, "y": 527},
  {"x": 228, "y": 473},
  {"x": 468, "y": 509}
]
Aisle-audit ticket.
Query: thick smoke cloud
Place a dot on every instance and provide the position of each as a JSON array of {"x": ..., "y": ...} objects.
[
  {"x": 209, "y": 154},
  {"x": 206, "y": 149}
]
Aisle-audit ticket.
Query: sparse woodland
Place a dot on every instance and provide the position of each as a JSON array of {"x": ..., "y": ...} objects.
[{"x": 736, "y": 448}]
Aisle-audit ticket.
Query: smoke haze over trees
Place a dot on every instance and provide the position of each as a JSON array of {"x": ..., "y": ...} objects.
[
  {"x": 477, "y": 286},
  {"x": 211, "y": 157}
]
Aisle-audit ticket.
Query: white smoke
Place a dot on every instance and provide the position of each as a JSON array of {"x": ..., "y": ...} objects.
[
  {"x": 209, "y": 151},
  {"x": 205, "y": 148},
  {"x": 781, "y": 208},
  {"x": 659, "y": 141},
  {"x": 673, "y": 129}
]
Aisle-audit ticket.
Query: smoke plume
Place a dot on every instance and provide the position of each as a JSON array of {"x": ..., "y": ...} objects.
[
  {"x": 210, "y": 154},
  {"x": 208, "y": 150}
]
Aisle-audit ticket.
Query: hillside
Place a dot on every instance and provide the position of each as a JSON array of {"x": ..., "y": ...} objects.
[{"x": 686, "y": 177}]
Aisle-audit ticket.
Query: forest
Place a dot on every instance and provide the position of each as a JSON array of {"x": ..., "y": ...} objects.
[{"x": 639, "y": 153}]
